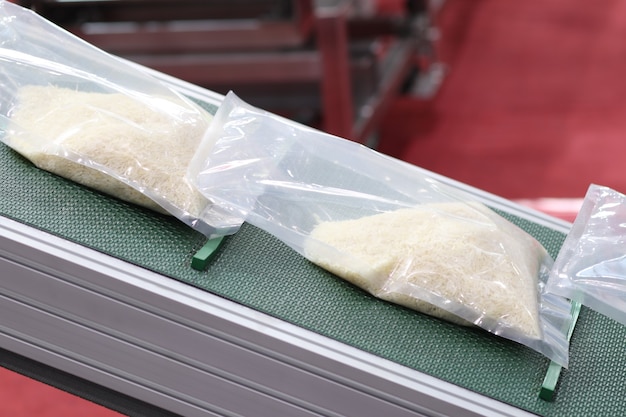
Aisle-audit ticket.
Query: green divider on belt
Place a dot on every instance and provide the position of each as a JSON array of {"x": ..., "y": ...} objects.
[{"x": 256, "y": 270}]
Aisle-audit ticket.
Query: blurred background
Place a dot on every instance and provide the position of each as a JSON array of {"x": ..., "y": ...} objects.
[{"x": 526, "y": 100}]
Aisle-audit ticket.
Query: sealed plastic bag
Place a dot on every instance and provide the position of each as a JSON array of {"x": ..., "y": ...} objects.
[
  {"x": 591, "y": 265},
  {"x": 381, "y": 224},
  {"x": 81, "y": 113}
]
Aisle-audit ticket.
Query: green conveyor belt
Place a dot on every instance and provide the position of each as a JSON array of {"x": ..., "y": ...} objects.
[{"x": 256, "y": 270}]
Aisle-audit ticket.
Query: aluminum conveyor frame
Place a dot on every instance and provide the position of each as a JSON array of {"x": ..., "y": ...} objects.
[{"x": 193, "y": 353}]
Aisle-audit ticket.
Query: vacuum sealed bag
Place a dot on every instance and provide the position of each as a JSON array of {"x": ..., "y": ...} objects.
[
  {"x": 83, "y": 114},
  {"x": 591, "y": 265},
  {"x": 382, "y": 224}
]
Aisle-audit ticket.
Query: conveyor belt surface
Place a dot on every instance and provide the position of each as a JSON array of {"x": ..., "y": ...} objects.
[{"x": 256, "y": 270}]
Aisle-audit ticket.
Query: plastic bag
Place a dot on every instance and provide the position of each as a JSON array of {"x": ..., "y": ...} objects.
[
  {"x": 382, "y": 224},
  {"x": 591, "y": 265},
  {"x": 81, "y": 113}
]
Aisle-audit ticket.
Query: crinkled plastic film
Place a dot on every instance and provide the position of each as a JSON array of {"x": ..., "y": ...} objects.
[
  {"x": 83, "y": 114},
  {"x": 382, "y": 224},
  {"x": 591, "y": 265}
]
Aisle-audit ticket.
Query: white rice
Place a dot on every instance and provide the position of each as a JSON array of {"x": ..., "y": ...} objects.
[
  {"x": 449, "y": 254},
  {"x": 107, "y": 141}
]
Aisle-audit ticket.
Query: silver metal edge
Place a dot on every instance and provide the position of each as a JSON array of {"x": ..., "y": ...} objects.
[{"x": 441, "y": 398}]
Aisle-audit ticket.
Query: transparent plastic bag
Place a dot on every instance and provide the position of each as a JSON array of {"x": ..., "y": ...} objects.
[
  {"x": 591, "y": 265},
  {"x": 382, "y": 224},
  {"x": 83, "y": 114}
]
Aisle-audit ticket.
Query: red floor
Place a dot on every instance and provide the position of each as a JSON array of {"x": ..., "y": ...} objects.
[
  {"x": 22, "y": 397},
  {"x": 534, "y": 101}
]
